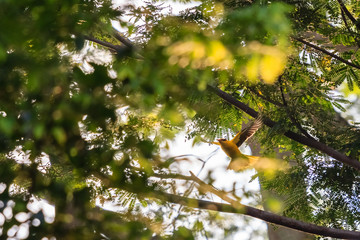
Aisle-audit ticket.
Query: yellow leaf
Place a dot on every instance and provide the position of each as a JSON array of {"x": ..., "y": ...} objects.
[
  {"x": 271, "y": 67},
  {"x": 252, "y": 67},
  {"x": 274, "y": 205}
]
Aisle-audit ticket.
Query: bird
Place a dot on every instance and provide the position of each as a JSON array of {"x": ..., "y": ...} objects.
[{"x": 240, "y": 161}]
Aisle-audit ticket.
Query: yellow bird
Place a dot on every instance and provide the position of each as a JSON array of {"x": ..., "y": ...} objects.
[{"x": 240, "y": 161}]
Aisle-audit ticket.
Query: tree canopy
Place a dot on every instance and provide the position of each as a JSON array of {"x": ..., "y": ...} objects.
[{"x": 88, "y": 114}]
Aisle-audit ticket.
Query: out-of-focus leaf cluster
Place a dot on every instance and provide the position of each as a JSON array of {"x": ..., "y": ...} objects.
[{"x": 99, "y": 135}]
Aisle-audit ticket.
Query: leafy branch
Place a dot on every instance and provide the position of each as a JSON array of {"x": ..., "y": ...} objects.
[
  {"x": 238, "y": 208},
  {"x": 254, "y": 91},
  {"x": 111, "y": 46},
  {"x": 310, "y": 142},
  {"x": 291, "y": 116},
  {"x": 327, "y": 52},
  {"x": 292, "y": 135},
  {"x": 347, "y": 13},
  {"x": 234, "y": 206}
]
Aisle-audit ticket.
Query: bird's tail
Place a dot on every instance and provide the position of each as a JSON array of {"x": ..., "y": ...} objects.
[
  {"x": 242, "y": 163},
  {"x": 261, "y": 164}
]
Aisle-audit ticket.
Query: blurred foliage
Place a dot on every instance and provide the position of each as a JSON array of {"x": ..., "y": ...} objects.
[{"x": 80, "y": 128}]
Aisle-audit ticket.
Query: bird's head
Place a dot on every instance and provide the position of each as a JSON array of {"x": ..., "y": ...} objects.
[{"x": 221, "y": 139}]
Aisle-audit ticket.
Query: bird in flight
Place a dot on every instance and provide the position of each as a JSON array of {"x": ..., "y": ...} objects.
[{"x": 240, "y": 161}]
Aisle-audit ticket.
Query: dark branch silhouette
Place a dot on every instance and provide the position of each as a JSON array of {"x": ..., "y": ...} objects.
[
  {"x": 121, "y": 50},
  {"x": 257, "y": 213},
  {"x": 345, "y": 21},
  {"x": 122, "y": 39},
  {"x": 327, "y": 52},
  {"x": 105, "y": 44},
  {"x": 347, "y": 13},
  {"x": 292, "y": 135},
  {"x": 234, "y": 207}
]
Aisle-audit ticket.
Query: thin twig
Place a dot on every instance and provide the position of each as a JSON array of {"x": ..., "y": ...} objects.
[
  {"x": 165, "y": 175},
  {"x": 289, "y": 113},
  {"x": 264, "y": 97}
]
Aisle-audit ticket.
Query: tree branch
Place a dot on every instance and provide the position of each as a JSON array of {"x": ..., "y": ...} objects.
[
  {"x": 345, "y": 21},
  {"x": 257, "y": 213},
  {"x": 121, "y": 50},
  {"x": 347, "y": 13},
  {"x": 327, "y": 52},
  {"x": 312, "y": 143},
  {"x": 105, "y": 44},
  {"x": 254, "y": 212},
  {"x": 123, "y": 40},
  {"x": 234, "y": 207},
  {"x": 282, "y": 105}
]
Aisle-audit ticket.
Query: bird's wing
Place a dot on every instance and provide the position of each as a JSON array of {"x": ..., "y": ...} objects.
[{"x": 246, "y": 133}]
